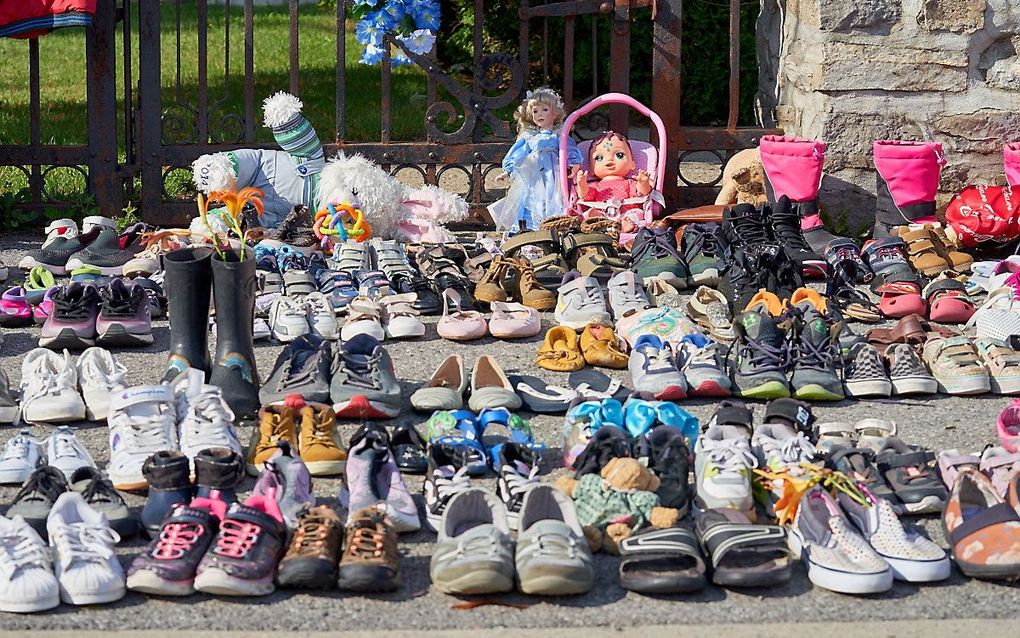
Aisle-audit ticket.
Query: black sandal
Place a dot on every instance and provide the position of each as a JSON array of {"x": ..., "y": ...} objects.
[
  {"x": 409, "y": 449},
  {"x": 911, "y": 474},
  {"x": 743, "y": 554},
  {"x": 662, "y": 561}
]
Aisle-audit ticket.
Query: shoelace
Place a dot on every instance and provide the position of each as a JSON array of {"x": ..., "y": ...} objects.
[
  {"x": 74, "y": 307},
  {"x": 236, "y": 538},
  {"x": 558, "y": 545},
  {"x": 100, "y": 490},
  {"x": 82, "y": 542},
  {"x": 20, "y": 551},
  {"x": 517, "y": 483},
  {"x": 91, "y": 371},
  {"x": 176, "y": 540},
  {"x": 476, "y": 545},
  {"x": 42, "y": 380},
  {"x": 763, "y": 356},
  {"x": 311, "y": 534},
  {"x": 147, "y": 434},
  {"x": 40, "y": 482},
  {"x": 751, "y": 232},
  {"x": 118, "y": 304},
  {"x": 659, "y": 359},
  {"x": 809, "y": 354},
  {"x": 67, "y": 445},
  {"x": 629, "y": 295},
  {"x": 296, "y": 373},
  {"x": 208, "y": 420},
  {"x": 447, "y": 487},
  {"x": 360, "y": 373},
  {"x": 658, "y": 246},
  {"x": 16, "y": 448},
  {"x": 792, "y": 451},
  {"x": 706, "y": 356},
  {"x": 788, "y": 231},
  {"x": 368, "y": 538},
  {"x": 730, "y": 457}
]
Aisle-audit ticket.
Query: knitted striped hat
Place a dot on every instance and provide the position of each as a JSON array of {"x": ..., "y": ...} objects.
[{"x": 295, "y": 135}]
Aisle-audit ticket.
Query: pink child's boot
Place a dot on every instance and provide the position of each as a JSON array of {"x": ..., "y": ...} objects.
[{"x": 907, "y": 174}]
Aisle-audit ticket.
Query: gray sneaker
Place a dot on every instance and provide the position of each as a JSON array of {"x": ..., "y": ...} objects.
[
  {"x": 703, "y": 364},
  {"x": 553, "y": 558},
  {"x": 653, "y": 370},
  {"x": 364, "y": 385},
  {"x": 303, "y": 367},
  {"x": 37, "y": 496},
  {"x": 865, "y": 374},
  {"x": 814, "y": 354},
  {"x": 723, "y": 462},
  {"x": 580, "y": 302},
  {"x": 472, "y": 552},
  {"x": 760, "y": 356},
  {"x": 626, "y": 295}
]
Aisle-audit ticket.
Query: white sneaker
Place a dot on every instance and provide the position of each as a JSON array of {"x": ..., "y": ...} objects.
[
  {"x": 142, "y": 422},
  {"x": 288, "y": 319},
  {"x": 399, "y": 319},
  {"x": 27, "y": 582},
  {"x": 21, "y": 456},
  {"x": 204, "y": 419},
  {"x": 49, "y": 388},
  {"x": 66, "y": 453},
  {"x": 260, "y": 329},
  {"x": 321, "y": 317},
  {"x": 100, "y": 375},
  {"x": 86, "y": 565},
  {"x": 364, "y": 316}
]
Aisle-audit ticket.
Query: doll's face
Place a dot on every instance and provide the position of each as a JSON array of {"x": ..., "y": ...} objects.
[
  {"x": 543, "y": 115},
  {"x": 611, "y": 157}
]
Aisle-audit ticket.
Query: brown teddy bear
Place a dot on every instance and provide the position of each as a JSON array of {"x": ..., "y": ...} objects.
[
  {"x": 617, "y": 501},
  {"x": 743, "y": 180}
]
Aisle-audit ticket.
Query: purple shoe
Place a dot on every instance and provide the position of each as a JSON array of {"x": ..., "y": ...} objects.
[
  {"x": 72, "y": 325},
  {"x": 124, "y": 318},
  {"x": 14, "y": 309},
  {"x": 372, "y": 478},
  {"x": 42, "y": 311},
  {"x": 288, "y": 478}
]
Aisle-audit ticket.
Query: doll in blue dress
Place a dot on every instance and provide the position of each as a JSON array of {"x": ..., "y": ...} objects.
[{"x": 533, "y": 164}]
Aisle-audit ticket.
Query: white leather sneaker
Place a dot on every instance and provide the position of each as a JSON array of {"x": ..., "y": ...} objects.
[
  {"x": 49, "y": 388},
  {"x": 86, "y": 565},
  {"x": 100, "y": 375},
  {"x": 143, "y": 421}
]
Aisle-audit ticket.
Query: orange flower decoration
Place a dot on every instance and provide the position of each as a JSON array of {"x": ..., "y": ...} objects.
[{"x": 234, "y": 201}]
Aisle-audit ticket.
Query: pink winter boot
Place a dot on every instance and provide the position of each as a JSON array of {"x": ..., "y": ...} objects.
[
  {"x": 1011, "y": 160},
  {"x": 907, "y": 174}
]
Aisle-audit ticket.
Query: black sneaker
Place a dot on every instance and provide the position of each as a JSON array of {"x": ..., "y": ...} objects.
[
  {"x": 786, "y": 229},
  {"x": 426, "y": 301},
  {"x": 168, "y": 475},
  {"x": 99, "y": 493},
  {"x": 110, "y": 251},
  {"x": 608, "y": 442},
  {"x": 654, "y": 255},
  {"x": 518, "y": 471},
  {"x": 746, "y": 273},
  {"x": 447, "y": 476},
  {"x": 55, "y": 255},
  {"x": 438, "y": 264},
  {"x": 815, "y": 349},
  {"x": 759, "y": 356},
  {"x": 744, "y": 225},
  {"x": 303, "y": 367},
  {"x": 37, "y": 496},
  {"x": 792, "y": 413},
  {"x": 669, "y": 458},
  {"x": 703, "y": 246},
  {"x": 220, "y": 469}
]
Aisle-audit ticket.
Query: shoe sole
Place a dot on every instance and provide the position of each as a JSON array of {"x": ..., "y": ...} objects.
[
  {"x": 868, "y": 388},
  {"x": 118, "y": 335},
  {"x": 367, "y": 578},
  {"x": 29, "y": 262},
  {"x": 307, "y": 573},
  {"x": 326, "y": 468},
  {"x": 978, "y": 385},
  {"x": 359, "y": 407},
  {"x": 406, "y": 335},
  {"x": 672, "y": 393},
  {"x": 16, "y": 321},
  {"x": 541, "y": 306},
  {"x": 14, "y": 477},
  {"x": 919, "y": 571},
  {"x": 710, "y": 389},
  {"x": 1011, "y": 386},
  {"x": 30, "y": 606},
  {"x": 147, "y": 582},
  {"x": 51, "y": 414},
  {"x": 106, "y": 271},
  {"x": 922, "y": 385},
  {"x": 564, "y": 584},
  {"x": 67, "y": 338},
  {"x": 476, "y": 582},
  {"x": 92, "y": 598},
  {"x": 815, "y": 392},
  {"x": 770, "y": 390},
  {"x": 835, "y": 580},
  {"x": 216, "y": 581}
]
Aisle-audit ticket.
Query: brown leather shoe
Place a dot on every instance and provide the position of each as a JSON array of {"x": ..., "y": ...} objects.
[
  {"x": 527, "y": 289},
  {"x": 311, "y": 560},
  {"x": 949, "y": 249},
  {"x": 490, "y": 286},
  {"x": 369, "y": 561},
  {"x": 600, "y": 347},
  {"x": 321, "y": 449},
  {"x": 276, "y": 423},
  {"x": 924, "y": 256}
]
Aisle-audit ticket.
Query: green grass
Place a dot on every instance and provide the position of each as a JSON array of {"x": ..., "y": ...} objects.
[{"x": 63, "y": 94}]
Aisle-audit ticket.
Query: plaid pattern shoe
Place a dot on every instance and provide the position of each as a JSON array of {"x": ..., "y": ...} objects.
[
  {"x": 906, "y": 372},
  {"x": 865, "y": 374}
]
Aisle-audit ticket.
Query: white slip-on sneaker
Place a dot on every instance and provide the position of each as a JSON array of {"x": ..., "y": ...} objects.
[
  {"x": 49, "y": 388},
  {"x": 100, "y": 375},
  {"x": 364, "y": 316},
  {"x": 86, "y": 565},
  {"x": 204, "y": 419},
  {"x": 400, "y": 319},
  {"x": 143, "y": 421},
  {"x": 321, "y": 317},
  {"x": 66, "y": 453},
  {"x": 27, "y": 582},
  {"x": 288, "y": 319},
  {"x": 21, "y": 456}
]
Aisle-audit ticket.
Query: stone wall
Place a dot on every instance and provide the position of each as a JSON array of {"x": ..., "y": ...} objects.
[{"x": 853, "y": 71}]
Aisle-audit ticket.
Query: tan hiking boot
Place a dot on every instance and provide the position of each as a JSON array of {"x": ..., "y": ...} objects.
[
  {"x": 527, "y": 289},
  {"x": 369, "y": 561},
  {"x": 949, "y": 249},
  {"x": 490, "y": 286},
  {"x": 276, "y": 423},
  {"x": 321, "y": 450},
  {"x": 311, "y": 560},
  {"x": 924, "y": 256}
]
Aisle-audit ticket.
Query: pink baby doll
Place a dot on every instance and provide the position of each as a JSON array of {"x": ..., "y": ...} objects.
[{"x": 611, "y": 162}]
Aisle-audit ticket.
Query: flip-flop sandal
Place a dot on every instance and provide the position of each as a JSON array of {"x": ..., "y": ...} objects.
[
  {"x": 952, "y": 462},
  {"x": 835, "y": 433},
  {"x": 595, "y": 384},
  {"x": 874, "y": 433},
  {"x": 459, "y": 428},
  {"x": 409, "y": 450},
  {"x": 741, "y": 553},
  {"x": 517, "y": 431},
  {"x": 662, "y": 561},
  {"x": 911, "y": 475},
  {"x": 948, "y": 302},
  {"x": 540, "y": 397}
]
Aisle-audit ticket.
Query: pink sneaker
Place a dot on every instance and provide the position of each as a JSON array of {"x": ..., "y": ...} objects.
[
  {"x": 44, "y": 309},
  {"x": 14, "y": 308},
  {"x": 1008, "y": 427}
]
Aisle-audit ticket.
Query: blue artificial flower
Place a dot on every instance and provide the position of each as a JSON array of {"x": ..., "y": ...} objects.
[
  {"x": 398, "y": 58},
  {"x": 396, "y": 10},
  {"x": 372, "y": 54},
  {"x": 381, "y": 20},
  {"x": 420, "y": 41},
  {"x": 426, "y": 15},
  {"x": 366, "y": 3},
  {"x": 366, "y": 32}
]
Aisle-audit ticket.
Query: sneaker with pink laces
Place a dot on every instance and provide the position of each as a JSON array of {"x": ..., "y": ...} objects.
[
  {"x": 242, "y": 559},
  {"x": 167, "y": 566},
  {"x": 1008, "y": 427},
  {"x": 15, "y": 310}
]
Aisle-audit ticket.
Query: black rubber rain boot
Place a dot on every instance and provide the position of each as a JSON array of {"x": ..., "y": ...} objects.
[
  {"x": 188, "y": 283},
  {"x": 234, "y": 364}
]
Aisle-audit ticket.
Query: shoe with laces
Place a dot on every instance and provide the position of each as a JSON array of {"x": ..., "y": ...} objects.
[
  {"x": 843, "y": 254},
  {"x": 912, "y": 557},
  {"x": 83, "y": 546},
  {"x": 276, "y": 424},
  {"x": 814, "y": 353},
  {"x": 552, "y": 558},
  {"x": 28, "y": 583},
  {"x": 204, "y": 420},
  {"x": 472, "y": 554},
  {"x": 304, "y": 368},
  {"x": 399, "y": 318},
  {"x": 781, "y": 450},
  {"x": 364, "y": 317},
  {"x": 101, "y": 376},
  {"x": 626, "y": 295},
  {"x": 36, "y": 497},
  {"x": 364, "y": 384},
  {"x": 702, "y": 247},
  {"x": 865, "y": 374},
  {"x": 760, "y": 356},
  {"x": 66, "y": 453},
  {"x": 99, "y": 493},
  {"x": 655, "y": 255},
  {"x": 286, "y": 479},
  {"x": 124, "y": 316},
  {"x": 320, "y": 449},
  {"x": 518, "y": 471},
  {"x": 709, "y": 308},
  {"x": 370, "y": 561},
  {"x": 143, "y": 421},
  {"x": 703, "y": 365},
  {"x": 168, "y": 564},
  {"x": 241, "y": 561},
  {"x": 446, "y": 476},
  {"x": 581, "y": 302},
  {"x": 168, "y": 477},
  {"x": 22, "y": 454},
  {"x": 110, "y": 251},
  {"x": 907, "y": 374},
  {"x": 653, "y": 369},
  {"x": 314, "y": 552},
  {"x": 73, "y": 322},
  {"x": 744, "y": 225},
  {"x": 321, "y": 318},
  {"x": 57, "y": 250},
  {"x": 372, "y": 477},
  {"x": 288, "y": 319},
  {"x": 723, "y": 462},
  {"x": 49, "y": 388},
  {"x": 785, "y": 221},
  {"x": 838, "y": 558}
]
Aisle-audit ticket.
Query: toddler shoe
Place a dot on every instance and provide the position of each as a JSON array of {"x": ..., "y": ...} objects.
[
  {"x": 15, "y": 311},
  {"x": 581, "y": 302}
]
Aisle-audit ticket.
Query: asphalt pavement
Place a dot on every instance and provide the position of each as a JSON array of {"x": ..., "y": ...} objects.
[{"x": 939, "y": 422}]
